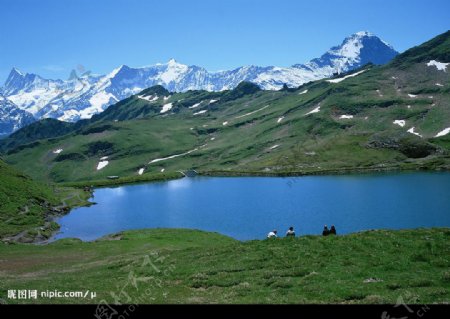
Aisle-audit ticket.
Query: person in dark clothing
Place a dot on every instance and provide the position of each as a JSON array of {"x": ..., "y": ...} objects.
[
  {"x": 332, "y": 230},
  {"x": 325, "y": 231},
  {"x": 290, "y": 232}
]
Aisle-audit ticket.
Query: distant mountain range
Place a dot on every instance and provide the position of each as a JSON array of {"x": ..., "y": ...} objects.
[{"x": 28, "y": 97}]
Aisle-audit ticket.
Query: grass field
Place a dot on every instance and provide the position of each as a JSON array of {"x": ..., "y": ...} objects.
[{"x": 188, "y": 266}]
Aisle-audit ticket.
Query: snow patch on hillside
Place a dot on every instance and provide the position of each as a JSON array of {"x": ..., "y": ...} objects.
[
  {"x": 172, "y": 156},
  {"x": 166, "y": 107},
  {"x": 250, "y": 113},
  {"x": 149, "y": 98},
  {"x": 195, "y": 105},
  {"x": 400, "y": 122},
  {"x": 441, "y": 66},
  {"x": 443, "y": 132},
  {"x": 345, "y": 77},
  {"x": 411, "y": 130},
  {"x": 316, "y": 110},
  {"x": 102, "y": 164}
]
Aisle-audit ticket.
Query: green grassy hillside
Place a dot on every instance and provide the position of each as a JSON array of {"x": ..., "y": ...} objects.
[
  {"x": 27, "y": 206},
  {"x": 187, "y": 266},
  {"x": 378, "y": 118}
]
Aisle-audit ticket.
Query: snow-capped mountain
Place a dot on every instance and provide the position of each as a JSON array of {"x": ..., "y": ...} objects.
[
  {"x": 80, "y": 97},
  {"x": 11, "y": 117}
]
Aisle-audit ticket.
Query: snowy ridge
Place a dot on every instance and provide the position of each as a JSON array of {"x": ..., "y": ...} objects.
[{"x": 81, "y": 97}]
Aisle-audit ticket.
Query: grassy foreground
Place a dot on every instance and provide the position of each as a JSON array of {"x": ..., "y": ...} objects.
[{"x": 188, "y": 266}]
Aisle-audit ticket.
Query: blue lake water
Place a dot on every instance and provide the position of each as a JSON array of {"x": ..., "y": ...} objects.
[{"x": 249, "y": 207}]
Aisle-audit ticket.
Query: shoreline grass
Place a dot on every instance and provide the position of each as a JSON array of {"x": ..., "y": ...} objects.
[{"x": 190, "y": 266}]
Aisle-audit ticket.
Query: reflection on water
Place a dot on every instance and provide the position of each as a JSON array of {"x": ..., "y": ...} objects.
[{"x": 247, "y": 208}]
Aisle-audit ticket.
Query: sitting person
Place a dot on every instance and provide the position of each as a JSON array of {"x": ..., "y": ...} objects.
[
  {"x": 272, "y": 234},
  {"x": 290, "y": 232},
  {"x": 332, "y": 230},
  {"x": 325, "y": 231}
]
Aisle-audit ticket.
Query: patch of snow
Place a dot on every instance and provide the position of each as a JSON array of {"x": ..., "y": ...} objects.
[
  {"x": 393, "y": 77},
  {"x": 172, "y": 156},
  {"x": 411, "y": 130},
  {"x": 213, "y": 101},
  {"x": 400, "y": 122},
  {"x": 247, "y": 114},
  {"x": 69, "y": 115},
  {"x": 102, "y": 164},
  {"x": 345, "y": 77},
  {"x": 59, "y": 150},
  {"x": 149, "y": 98},
  {"x": 212, "y": 138},
  {"x": 439, "y": 65},
  {"x": 166, "y": 98},
  {"x": 280, "y": 119},
  {"x": 200, "y": 112},
  {"x": 225, "y": 123},
  {"x": 191, "y": 128},
  {"x": 346, "y": 116},
  {"x": 439, "y": 84},
  {"x": 316, "y": 110},
  {"x": 443, "y": 132},
  {"x": 195, "y": 105},
  {"x": 430, "y": 97},
  {"x": 366, "y": 117},
  {"x": 408, "y": 106},
  {"x": 166, "y": 107},
  {"x": 274, "y": 147},
  {"x": 412, "y": 95},
  {"x": 141, "y": 171},
  {"x": 98, "y": 102},
  {"x": 162, "y": 170},
  {"x": 303, "y": 92}
]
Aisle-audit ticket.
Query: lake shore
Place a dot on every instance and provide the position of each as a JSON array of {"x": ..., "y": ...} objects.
[
  {"x": 160, "y": 177},
  {"x": 204, "y": 267}
]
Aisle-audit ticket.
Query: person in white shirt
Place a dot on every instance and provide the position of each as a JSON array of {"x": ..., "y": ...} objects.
[{"x": 272, "y": 234}]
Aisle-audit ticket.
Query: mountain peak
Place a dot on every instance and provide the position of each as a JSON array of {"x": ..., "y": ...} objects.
[
  {"x": 15, "y": 78},
  {"x": 363, "y": 34},
  {"x": 15, "y": 70},
  {"x": 117, "y": 70},
  {"x": 73, "y": 75}
]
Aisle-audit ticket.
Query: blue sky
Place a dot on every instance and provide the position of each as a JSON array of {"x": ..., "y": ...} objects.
[{"x": 52, "y": 37}]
